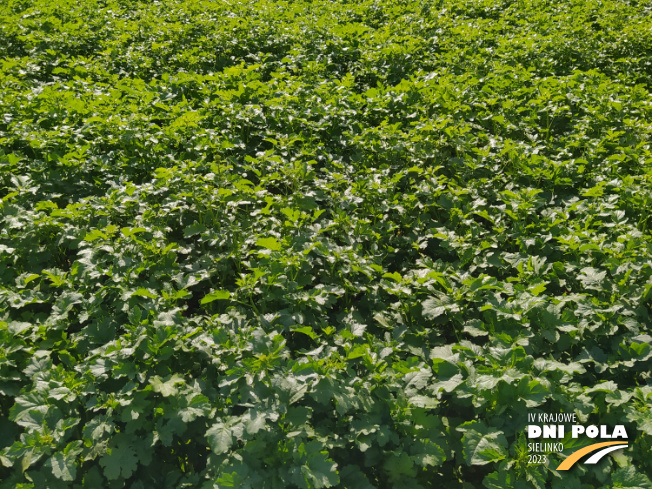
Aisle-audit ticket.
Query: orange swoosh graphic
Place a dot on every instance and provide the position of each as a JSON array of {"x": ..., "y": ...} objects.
[{"x": 575, "y": 456}]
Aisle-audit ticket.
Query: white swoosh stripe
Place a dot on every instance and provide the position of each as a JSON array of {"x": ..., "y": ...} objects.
[{"x": 596, "y": 457}]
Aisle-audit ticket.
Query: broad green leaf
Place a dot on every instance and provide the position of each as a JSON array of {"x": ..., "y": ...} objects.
[
  {"x": 643, "y": 420},
  {"x": 357, "y": 329},
  {"x": 119, "y": 461},
  {"x": 307, "y": 330},
  {"x": 592, "y": 278},
  {"x": 399, "y": 465},
  {"x": 318, "y": 468},
  {"x": 129, "y": 232},
  {"x": 63, "y": 467},
  {"x": 291, "y": 389},
  {"x": 269, "y": 244},
  {"x": 93, "y": 235},
  {"x": 166, "y": 388},
  {"x": 423, "y": 401},
  {"x": 254, "y": 422},
  {"x": 436, "y": 306},
  {"x": 482, "y": 444},
  {"x": 394, "y": 276},
  {"x": 538, "y": 289},
  {"x": 629, "y": 478},
  {"x": 214, "y": 296},
  {"x": 292, "y": 214},
  {"x": 143, "y": 292},
  {"x": 220, "y": 438},
  {"x": 193, "y": 229},
  {"x": 447, "y": 384}
]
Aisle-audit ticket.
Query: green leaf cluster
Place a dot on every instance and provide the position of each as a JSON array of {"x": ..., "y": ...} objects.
[{"x": 301, "y": 244}]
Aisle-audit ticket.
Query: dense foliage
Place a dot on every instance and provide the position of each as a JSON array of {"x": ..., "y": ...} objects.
[{"x": 305, "y": 244}]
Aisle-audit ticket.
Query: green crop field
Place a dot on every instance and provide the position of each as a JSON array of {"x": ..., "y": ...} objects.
[{"x": 352, "y": 244}]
